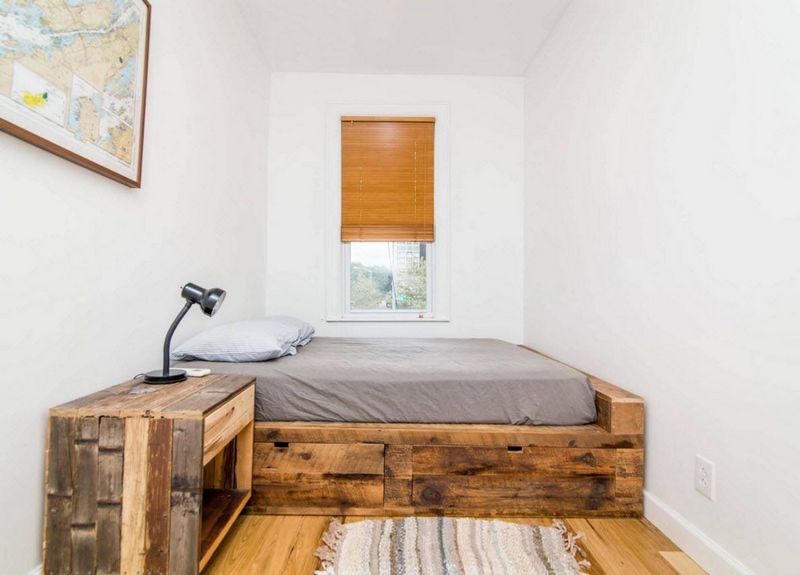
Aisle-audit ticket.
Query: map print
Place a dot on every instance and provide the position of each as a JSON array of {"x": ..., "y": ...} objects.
[{"x": 76, "y": 64}]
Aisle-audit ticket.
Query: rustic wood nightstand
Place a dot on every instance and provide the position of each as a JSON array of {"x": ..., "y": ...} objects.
[{"x": 147, "y": 478}]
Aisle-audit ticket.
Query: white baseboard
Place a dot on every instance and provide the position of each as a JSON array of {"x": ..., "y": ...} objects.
[
  {"x": 36, "y": 570},
  {"x": 709, "y": 554}
]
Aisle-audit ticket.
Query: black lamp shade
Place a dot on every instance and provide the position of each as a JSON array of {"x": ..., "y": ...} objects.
[
  {"x": 212, "y": 301},
  {"x": 209, "y": 300}
]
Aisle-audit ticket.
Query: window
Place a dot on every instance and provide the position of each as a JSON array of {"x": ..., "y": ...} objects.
[
  {"x": 387, "y": 214},
  {"x": 388, "y": 276}
]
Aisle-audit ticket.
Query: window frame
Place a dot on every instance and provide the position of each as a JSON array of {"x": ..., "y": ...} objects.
[
  {"x": 332, "y": 270},
  {"x": 429, "y": 296}
]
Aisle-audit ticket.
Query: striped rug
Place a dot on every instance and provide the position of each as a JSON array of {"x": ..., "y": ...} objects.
[{"x": 444, "y": 546}]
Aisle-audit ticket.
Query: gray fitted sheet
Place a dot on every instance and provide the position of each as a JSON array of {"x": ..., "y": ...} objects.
[{"x": 402, "y": 380}]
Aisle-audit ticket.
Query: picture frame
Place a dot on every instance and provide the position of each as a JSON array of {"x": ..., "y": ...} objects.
[{"x": 73, "y": 81}]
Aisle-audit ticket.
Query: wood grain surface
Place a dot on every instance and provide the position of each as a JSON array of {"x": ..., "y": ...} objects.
[
  {"x": 285, "y": 545},
  {"x": 387, "y": 179},
  {"x": 455, "y": 469},
  {"x": 125, "y": 482}
]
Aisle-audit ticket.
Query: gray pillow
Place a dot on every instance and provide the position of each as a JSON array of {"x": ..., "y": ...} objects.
[
  {"x": 252, "y": 340},
  {"x": 304, "y": 329}
]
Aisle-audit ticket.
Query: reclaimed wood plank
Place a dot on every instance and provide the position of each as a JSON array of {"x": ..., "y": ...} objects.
[
  {"x": 226, "y": 421},
  {"x": 71, "y": 408},
  {"x": 319, "y": 475},
  {"x": 186, "y": 500},
  {"x": 84, "y": 547},
  {"x": 244, "y": 457},
  {"x": 630, "y": 476},
  {"x": 630, "y": 462},
  {"x": 220, "y": 472},
  {"x": 58, "y": 552},
  {"x": 620, "y": 416},
  {"x": 84, "y": 471},
  {"x": 185, "y": 524},
  {"x": 231, "y": 384},
  {"x": 59, "y": 456},
  {"x": 111, "y": 444},
  {"x": 109, "y": 494},
  {"x": 187, "y": 399},
  {"x": 134, "y": 486},
  {"x": 259, "y": 505},
  {"x": 397, "y": 480},
  {"x": 57, "y": 544},
  {"x": 530, "y": 461},
  {"x": 220, "y": 510},
  {"x": 302, "y": 459},
  {"x": 212, "y": 395},
  {"x": 512, "y": 492},
  {"x": 84, "y": 495},
  {"x": 157, "y": 504},
  {"x": 142, "y": 399},
  {"x": 109, "y": 531},
  {"x": 321, "y": 491},
  {"x": 589, "y": 436},
  {"x": 615, "y": 392}
]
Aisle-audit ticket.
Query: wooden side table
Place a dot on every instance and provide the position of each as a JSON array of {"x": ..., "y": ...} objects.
[{"x": 147, "y": 479}]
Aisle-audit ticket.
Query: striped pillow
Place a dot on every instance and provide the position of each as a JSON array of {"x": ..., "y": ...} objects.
[
  {"x": 252, "y": 340},
  {"x": 304, "y": 329}
]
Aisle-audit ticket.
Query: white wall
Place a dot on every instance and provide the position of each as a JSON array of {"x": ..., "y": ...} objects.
[
  {"x": 90, "y": 270},
  {"x": 662, "y": 230},
  {"x": 485, "y": 134}
]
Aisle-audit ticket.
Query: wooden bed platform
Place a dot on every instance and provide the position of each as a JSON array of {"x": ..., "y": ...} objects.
[{"x": 455, "y": 469}]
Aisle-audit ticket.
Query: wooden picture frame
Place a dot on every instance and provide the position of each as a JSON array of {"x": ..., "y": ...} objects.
[{"x": 52, "y": 117}]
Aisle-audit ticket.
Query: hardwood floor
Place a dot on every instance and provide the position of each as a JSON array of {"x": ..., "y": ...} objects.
[{"x": 285, "y": 545}]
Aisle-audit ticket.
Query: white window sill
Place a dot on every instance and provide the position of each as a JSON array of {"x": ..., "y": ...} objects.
[{"x": 387, "y": 318}]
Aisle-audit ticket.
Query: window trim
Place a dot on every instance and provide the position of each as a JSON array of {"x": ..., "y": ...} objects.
[
  {"x": 333, "y": 278},
  {"x": 430, "y": 257}
]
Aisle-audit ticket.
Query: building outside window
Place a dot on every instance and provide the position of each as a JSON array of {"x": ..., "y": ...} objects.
[{"x": 388, "y": 276}]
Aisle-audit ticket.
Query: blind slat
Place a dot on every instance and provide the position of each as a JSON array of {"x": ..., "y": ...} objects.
[
  {"x": 387, "y": 179},
  {"x": 422, "y": 119}
]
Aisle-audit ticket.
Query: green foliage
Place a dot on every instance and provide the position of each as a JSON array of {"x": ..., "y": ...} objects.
[
  {"x": 412, "y": 289},
  {"x": 371, "y": 287}
]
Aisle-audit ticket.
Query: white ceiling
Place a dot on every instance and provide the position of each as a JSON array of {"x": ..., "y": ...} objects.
[{"x": 486, "y": 37}]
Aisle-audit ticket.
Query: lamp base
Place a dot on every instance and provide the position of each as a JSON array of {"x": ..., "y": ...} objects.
[{"x": 157, "y": 377}]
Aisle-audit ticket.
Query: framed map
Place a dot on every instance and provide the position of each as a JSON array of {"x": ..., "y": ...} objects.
[{"x": 73, "y": 80}]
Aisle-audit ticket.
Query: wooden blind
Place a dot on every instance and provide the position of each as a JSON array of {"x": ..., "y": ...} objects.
[{"x": 387, "y": 179}]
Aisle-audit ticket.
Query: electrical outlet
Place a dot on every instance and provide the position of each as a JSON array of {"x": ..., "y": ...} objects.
[{"x": 704, "y": 476}]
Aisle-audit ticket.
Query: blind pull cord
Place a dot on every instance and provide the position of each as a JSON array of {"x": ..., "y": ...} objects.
[
  {"x": 415, "y": 182},
  {"x": 361, "y": 196}
]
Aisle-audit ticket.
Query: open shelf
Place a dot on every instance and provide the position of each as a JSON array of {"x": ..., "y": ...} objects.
[{"x": 221, "y": 507}]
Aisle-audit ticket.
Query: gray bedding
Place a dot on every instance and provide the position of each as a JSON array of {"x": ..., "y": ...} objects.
[{"x": 393, "y": 380}]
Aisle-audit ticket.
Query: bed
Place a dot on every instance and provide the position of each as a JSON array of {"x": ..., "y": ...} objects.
[
  {"x": 410, "y": 380},
  {"x": 438, "y": 426}
]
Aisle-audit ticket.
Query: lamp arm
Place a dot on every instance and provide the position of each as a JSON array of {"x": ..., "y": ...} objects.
[{"x": 170, "y": 331}]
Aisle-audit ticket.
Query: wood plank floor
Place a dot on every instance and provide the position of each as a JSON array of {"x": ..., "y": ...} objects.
[{"x": 285, "y": 545}]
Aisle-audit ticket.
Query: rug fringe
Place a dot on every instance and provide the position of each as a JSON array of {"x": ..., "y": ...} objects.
[
  {"x": 571, "y": 543},
  {"x": 329, "y": 547}
]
